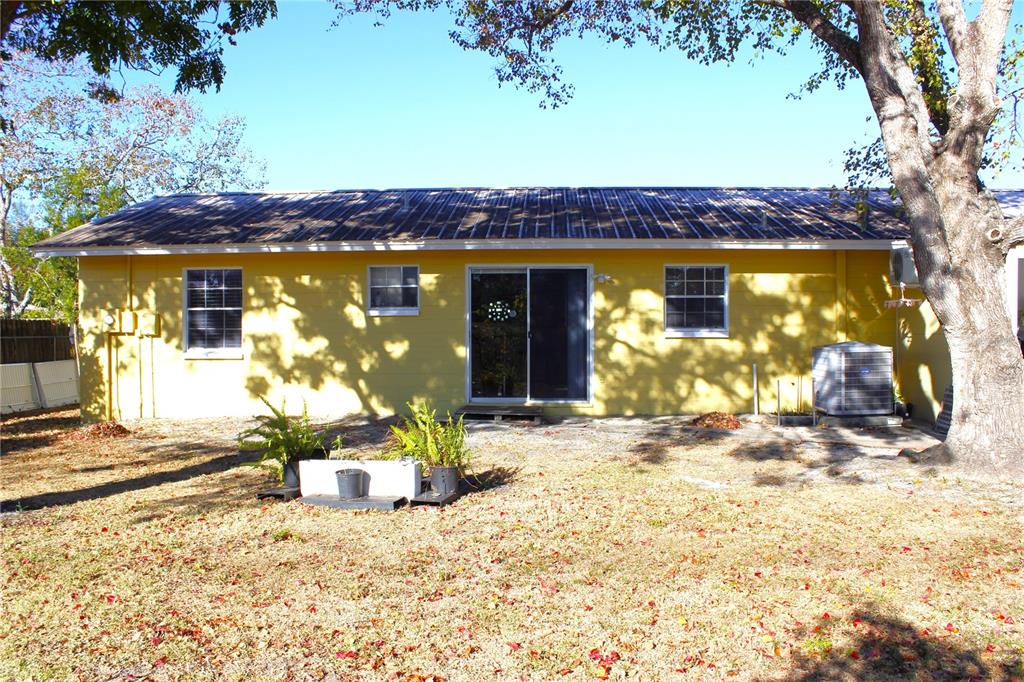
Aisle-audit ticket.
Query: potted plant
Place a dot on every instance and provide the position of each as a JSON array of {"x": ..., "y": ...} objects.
[
  {"x": 282, "y": 442},
  {"x": 439, "y": 446}
]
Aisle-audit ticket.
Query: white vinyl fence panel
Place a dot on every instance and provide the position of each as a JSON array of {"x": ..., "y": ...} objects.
[
  {"x": 17, "y": 388},
  {"x": 57, "y": 382},
  {"x": 30, "y": 386}
]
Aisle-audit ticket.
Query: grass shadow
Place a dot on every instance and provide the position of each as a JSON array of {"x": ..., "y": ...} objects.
[
  {"x": 24, "y": 431},
  {"x": 219, "y": 495},
  {"x": 888, "y": 648},
  {"x": 763, "y": 451},
  {"x": 495, "y": 477},
  {"x": 831, "y": 460},
  {"x": 65, "y": 497}
]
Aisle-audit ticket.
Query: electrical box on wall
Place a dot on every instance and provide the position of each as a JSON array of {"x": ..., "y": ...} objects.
[
  {"x": 128, "y": 322},
  {"x": 149, "y": 324}
]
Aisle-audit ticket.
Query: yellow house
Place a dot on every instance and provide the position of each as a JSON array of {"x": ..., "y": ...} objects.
[{"x": 584, "y": 301}]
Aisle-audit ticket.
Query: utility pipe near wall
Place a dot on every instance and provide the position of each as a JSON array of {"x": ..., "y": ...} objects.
[
  {"x": 814, "y": 409},
  {"x": 756, "y": 410},
  {"x": 109, "y": 342},
  {"x": 778, "y": 401}
]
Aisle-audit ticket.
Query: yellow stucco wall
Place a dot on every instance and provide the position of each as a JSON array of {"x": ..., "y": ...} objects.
[
  {"x": 307, "y": 335},
  {"x": 923, "y": 362}
]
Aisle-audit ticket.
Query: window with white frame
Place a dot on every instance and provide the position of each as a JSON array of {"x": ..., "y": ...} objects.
[
  {"x": 394, "y": 290},
  {"x": 213, "y": 299},
  {"x": 697, "y": 300}
]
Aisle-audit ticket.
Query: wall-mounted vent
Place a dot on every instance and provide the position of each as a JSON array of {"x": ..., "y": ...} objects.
[
  {"x": 852, "y": 378},
  {"x": 901, "y": 267}
]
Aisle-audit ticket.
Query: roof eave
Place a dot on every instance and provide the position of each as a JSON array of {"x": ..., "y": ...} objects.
[{"x": 469, "y": 245}]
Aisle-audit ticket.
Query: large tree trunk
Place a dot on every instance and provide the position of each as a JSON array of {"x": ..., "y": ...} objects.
[
  {"x": 950, "y": 215},
  {"x": 987, "y": 429},
  {"x": 963, "y": 277}
]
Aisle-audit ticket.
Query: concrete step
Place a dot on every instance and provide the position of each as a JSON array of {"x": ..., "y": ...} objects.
[{"x": 498, "y": 413}]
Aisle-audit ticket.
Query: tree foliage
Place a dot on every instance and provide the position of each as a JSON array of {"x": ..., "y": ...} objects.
[
  {"x": 68, "y": 158},
  {"x": 148, "y": 36},
  {"x": 69, "y": 200},
  {"x": 523, "y": 36}
]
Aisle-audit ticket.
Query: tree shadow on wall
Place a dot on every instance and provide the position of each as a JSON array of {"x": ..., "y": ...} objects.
[
  {"x": 315, "y": 335},
  {"x": 888, "y": 648},
  {"x": 779, "y": 310}
]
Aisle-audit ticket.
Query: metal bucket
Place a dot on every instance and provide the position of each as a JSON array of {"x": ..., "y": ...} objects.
[
  {"x": 444, "y": 480},
  {"x": 350, "y": 483},
  {"x": 291, "y": 475}
]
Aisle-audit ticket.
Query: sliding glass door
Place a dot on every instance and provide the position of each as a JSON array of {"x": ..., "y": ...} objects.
[
  {"x": 498, "y": 335},
  {"x": 558, "y": 334},
  {"x": 529, "y": 334}
]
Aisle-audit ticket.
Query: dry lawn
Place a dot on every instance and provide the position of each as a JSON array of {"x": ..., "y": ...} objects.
[{"x": 612, "y": 548}]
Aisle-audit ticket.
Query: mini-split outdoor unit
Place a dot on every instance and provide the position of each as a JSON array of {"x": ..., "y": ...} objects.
[
  {"x": 852, "y": 378},
  {"x": 901, "y": 266}
]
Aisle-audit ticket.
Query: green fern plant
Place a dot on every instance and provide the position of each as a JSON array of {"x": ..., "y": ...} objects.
[
  {"x": 280, "y": 439},
  {"x": 434, "y": 443}
]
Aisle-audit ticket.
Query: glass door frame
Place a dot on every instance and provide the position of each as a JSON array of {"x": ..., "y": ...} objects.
[{"x": 498, "y": 268}]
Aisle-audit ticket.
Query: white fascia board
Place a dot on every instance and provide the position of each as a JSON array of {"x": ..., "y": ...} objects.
[{"x": 476, "y": 245}]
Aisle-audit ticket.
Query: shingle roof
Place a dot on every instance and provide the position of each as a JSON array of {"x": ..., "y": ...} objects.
[{"x": 417, "y": 215}]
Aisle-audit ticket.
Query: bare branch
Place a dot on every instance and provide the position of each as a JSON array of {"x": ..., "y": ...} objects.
[
  {"x": 976, "y": 104},
  {"x": 987, "y": 33},
  {"x": 954, "y": 23}
]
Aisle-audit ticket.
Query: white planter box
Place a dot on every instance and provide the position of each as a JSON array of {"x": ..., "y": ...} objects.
[{"x": 382, "y": 478}]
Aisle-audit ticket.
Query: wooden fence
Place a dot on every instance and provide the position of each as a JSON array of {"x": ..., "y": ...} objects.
[{"x": 34, "y": 341}]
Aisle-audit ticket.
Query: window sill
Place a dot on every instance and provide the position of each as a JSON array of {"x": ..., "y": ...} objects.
[
  {"x": 393, "y": 312},
  {"x": 696, "y": 333},
  {"x": 214, "y": 354}
]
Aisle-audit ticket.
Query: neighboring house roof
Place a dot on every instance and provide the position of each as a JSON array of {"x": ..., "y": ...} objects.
[{"x": 477, "y": 218}]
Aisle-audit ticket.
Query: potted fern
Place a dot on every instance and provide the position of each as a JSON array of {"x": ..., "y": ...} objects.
[
  {"x": 282, "y": 442},
  {"x": 441, "y": 446}
]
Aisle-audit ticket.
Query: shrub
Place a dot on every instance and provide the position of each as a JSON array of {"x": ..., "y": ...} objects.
[
  {"x": 280, "y": 439},
  {"x": 429, "y": 441}
]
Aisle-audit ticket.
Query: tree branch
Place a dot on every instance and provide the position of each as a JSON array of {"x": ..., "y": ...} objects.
[
  {"x": 808, "y": 14},
  {"x": 987, "y": 33},
  {"x": 954, "y": 23},
  {"x": 550, "y": 18},
  {"x": 976, "y": 103},
  {"x": 892, "y": 85},
  {"x": 1013, "y": 235}
]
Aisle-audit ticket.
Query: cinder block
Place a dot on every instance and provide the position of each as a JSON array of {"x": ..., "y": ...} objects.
[{"x": 383, "y": 478}]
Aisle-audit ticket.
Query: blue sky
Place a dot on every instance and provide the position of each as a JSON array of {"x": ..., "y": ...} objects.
[{"x": 361, "y": 106}]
